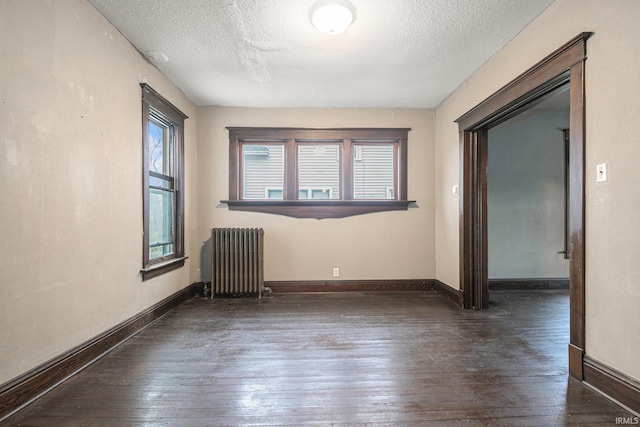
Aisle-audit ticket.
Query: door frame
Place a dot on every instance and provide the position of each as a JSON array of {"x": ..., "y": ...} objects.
[{"x": 565, "y": 65}]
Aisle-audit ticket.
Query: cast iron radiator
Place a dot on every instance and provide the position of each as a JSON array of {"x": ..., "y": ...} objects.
[{"x": 237, "y": 261}]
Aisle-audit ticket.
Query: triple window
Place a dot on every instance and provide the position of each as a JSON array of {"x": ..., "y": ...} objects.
[{"x": 309, "y": 168}]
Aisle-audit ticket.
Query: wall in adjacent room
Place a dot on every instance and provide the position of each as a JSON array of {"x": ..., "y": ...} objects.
[
  {"x": 526, "y": 197},
  {"x": 71, "y": 167}
]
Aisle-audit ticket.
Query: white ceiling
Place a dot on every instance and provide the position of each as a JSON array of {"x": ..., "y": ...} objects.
[{"x": 265, "y": 53}]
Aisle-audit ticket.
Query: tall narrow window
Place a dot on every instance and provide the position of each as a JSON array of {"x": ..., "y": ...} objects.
[{"x": 163, "y": 195}]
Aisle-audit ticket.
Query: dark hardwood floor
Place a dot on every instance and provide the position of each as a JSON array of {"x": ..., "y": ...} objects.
[{"x": 378, "y": 358}]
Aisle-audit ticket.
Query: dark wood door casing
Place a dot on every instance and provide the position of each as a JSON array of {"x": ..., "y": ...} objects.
[{"x": 563, "y": 66}]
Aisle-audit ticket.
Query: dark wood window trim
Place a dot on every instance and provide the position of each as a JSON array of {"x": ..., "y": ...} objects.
[
  {"x": 151, "y": 100},
  {"x": 347, "y": 138},
  {"x": 158, "y": 269},
  {"x": 566, "y": 64}
]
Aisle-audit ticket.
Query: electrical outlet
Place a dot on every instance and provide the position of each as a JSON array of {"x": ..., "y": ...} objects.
[{"x": 336, "y": 272}]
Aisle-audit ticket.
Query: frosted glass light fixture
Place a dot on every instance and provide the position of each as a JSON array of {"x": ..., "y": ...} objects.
[{"x": 332, "y": 16}]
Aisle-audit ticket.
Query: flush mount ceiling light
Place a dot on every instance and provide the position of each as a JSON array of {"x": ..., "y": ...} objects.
[{"x": 332, "y": 16}]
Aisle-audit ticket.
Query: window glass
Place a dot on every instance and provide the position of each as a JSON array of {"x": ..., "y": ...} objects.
[
  {"x": 315, "y": 193},
  {"x": 161, "y": 232},
  {"x": 324, "y": 193},
  {"x": 263, "y": 172},
  {"x": 373, "y": 171},
  {"x": 159, "y": 181},
  {"x": 319, "y": 171},
  {"x": 160, "y": 147},
  {"x": 161, "y": 200},
  {"x": 272, "y": 193}
]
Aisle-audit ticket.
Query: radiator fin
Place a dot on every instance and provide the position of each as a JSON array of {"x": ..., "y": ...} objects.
[{"x": 237, "y": 261}]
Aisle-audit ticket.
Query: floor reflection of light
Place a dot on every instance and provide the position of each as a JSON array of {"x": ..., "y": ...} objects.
[
  {"x": 249, "y": 400},
  {"x": 306, "y": 385},
  {"x": 151, "y": 396}
]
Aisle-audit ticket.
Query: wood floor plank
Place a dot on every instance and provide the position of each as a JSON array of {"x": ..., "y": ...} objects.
[{"x": 356, "y": 359}]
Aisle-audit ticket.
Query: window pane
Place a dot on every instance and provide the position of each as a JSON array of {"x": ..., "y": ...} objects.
[
  {"x": 263, "y": 172},
  {"x": 160, "y": 223},
  {"x": 319, "y": 170},
  {"x": 315, "y": 193},
  {"x": 324, "y": 193},
  {"x": 274, "y": 194},
  {"x": 160, "y": 148},
  {"x": 155, "y": 181},
  {"x": 373, "y": 172}
]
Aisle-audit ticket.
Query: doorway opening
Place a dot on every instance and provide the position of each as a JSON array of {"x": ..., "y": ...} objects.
[
  {"x": 565, "y": 66},
  {"x": 527, "y": 180}
]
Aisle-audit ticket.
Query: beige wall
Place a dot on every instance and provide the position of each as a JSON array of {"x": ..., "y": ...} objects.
[
  {"x": 612, "y": 108},
  {"x": 70, "y": 199},
  {"x": 388, "y": 245}
]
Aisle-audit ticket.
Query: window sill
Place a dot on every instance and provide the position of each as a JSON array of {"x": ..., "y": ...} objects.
[
  {"x": 155, "y": 270},
  {"x": 318, "y": 209}
]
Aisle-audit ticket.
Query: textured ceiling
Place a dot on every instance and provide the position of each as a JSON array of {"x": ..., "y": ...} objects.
[{"x": 265, "y": 53}]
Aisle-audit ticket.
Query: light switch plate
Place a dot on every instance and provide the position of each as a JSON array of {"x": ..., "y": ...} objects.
[{"x": 601, "y": 172}]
